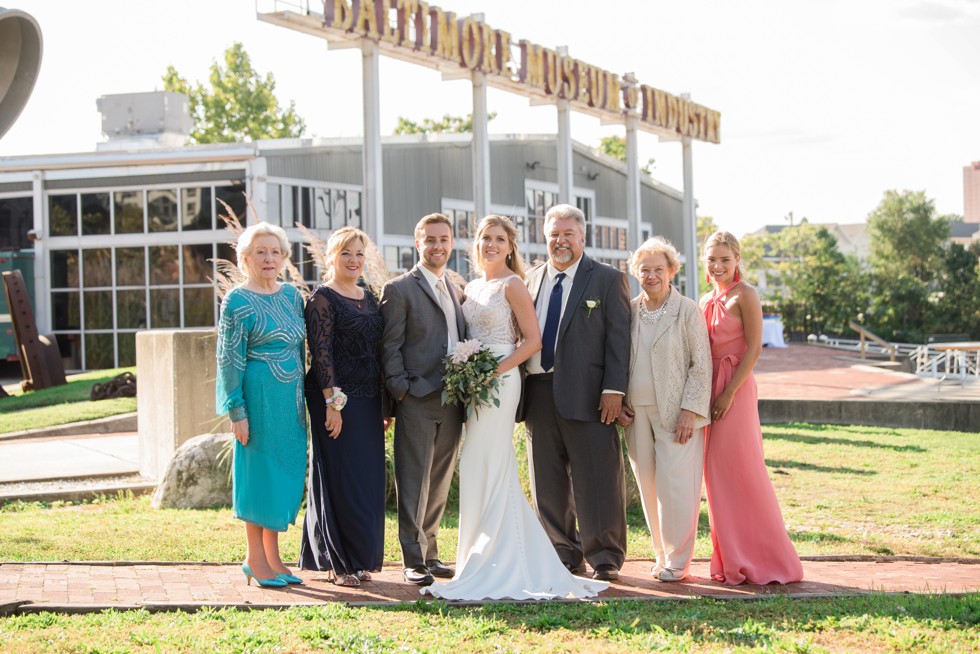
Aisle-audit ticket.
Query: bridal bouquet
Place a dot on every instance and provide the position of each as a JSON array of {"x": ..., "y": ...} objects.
[{"x": 471, "y": 376}]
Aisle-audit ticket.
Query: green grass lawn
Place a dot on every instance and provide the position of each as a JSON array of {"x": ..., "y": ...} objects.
[
  {"x": 893, "y": 623},
  {"x": 62, "y": 404}
]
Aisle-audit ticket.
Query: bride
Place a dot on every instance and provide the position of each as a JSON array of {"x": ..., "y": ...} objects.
[{"x": 503, "y": 549}]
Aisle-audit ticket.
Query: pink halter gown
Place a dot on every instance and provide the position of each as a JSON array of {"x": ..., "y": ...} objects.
[{"x": 748, "y": 536}]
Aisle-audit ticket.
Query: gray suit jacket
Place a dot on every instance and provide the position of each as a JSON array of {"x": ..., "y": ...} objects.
[
  {"x": 592, "y": 351},
  {"x": 414, "y": 340}
]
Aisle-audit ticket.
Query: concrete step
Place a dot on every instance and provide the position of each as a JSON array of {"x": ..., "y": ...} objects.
[{"x": 74, "y": 489}]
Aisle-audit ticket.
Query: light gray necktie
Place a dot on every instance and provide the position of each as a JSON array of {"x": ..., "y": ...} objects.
[{"x": 449, "y": 310}]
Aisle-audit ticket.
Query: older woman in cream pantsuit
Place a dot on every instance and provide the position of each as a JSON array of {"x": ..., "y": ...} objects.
[{"x": 667, "y": 406}]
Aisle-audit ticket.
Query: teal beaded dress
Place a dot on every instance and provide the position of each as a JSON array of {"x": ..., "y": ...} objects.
[{"x": 261, "y": 366}]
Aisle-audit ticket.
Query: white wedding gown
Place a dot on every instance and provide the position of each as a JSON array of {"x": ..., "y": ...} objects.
[{"x": 503, "y": 549}]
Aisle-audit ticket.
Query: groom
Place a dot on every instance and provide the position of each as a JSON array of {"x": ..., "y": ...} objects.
[
  {"x": 573, "y": 395},
  {"x": 423, "y": 322}
]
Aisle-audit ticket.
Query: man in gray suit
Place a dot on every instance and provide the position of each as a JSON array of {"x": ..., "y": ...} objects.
[
  {"x": 573, "y": 395},
  {"x": 423, "y": 322}
]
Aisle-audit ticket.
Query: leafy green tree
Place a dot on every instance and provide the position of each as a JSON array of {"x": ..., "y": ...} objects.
[
  {"x": 906, "y": 235},
  {"x": 907, "y": 251},
  {"x": 615, "y": 147},
  {"x": 238, "y": 105},
  {"x": 954, "y": 308},
  {"x": 447, "y": 125}
]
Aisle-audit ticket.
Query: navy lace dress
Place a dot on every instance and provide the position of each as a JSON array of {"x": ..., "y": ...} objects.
[{"x": 345, "y": 506}]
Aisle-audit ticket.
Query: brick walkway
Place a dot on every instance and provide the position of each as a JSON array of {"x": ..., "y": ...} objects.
[
  {"x": 82, "y": 587},
  {"x": 810, "y": 372}
]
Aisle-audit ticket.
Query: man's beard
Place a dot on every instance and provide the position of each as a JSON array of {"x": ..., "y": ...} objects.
[{"x": 562, "y": 256}]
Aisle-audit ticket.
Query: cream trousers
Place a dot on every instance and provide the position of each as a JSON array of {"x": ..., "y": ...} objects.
[{"x": 669, "y": 475}]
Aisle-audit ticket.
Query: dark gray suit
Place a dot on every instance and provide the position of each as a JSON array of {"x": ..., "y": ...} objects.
[
  {"x": 575, "y": 461},
  {"x": 426, "y": 433}
]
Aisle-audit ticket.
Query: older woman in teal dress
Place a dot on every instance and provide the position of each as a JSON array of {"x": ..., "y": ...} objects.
[{"x": 261, "y": 365}]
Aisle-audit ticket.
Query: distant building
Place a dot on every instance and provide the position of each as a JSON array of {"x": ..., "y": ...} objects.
[
  {"x": 971, "y": 193},
  {"x": 963, "y": 232}
]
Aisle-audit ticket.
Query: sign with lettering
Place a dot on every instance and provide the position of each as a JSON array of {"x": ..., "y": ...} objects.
[{"x": 416, "y": 31}]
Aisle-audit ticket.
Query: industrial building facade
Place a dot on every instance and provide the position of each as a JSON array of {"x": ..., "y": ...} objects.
[{"x": 113, "y": 242}]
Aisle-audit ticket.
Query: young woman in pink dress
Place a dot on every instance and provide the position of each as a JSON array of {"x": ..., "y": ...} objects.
[{"x": 748, "y": 537}]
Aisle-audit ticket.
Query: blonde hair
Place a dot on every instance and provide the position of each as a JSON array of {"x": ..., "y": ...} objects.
[
  {"x": 655, "y": 245},
  {"x": 514, "y": 261},
  {"x": 429, "y": 220},
  {"x": 339, "y": 241},
  {"x": 728, "y": 240},
  {"x": 247, "y": 238}
]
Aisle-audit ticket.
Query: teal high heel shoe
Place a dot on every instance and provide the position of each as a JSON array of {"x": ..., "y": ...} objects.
[
  {"x": 288, "y": 578},
  {"x": 265, "y": 583}
]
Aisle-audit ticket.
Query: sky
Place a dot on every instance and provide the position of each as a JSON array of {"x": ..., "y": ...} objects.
[{"x": 825, "y": 104}]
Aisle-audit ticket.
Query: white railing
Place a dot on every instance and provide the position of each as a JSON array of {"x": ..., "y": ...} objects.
[{"x": 947, "y": 360}]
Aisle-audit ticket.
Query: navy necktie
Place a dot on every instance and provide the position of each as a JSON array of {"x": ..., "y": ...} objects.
[{"x": 551, "y": 325}]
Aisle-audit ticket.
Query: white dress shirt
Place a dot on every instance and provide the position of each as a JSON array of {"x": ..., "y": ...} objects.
[
  {"x": 544, "y": 299},
  {"x": 451, "y": 328}
]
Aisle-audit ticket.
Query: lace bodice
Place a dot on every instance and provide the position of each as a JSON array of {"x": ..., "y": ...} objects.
[
  {"x": 487, "y": 311},
  {"x": 343, "y": 336}
]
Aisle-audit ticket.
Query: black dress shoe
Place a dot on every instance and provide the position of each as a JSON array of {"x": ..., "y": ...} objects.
[
  {"x": 418, "y": 575},
  {"x": 606, "y": 572},
  {"x": 574, "y": 569},
  {"x": 439, "y": 569}
]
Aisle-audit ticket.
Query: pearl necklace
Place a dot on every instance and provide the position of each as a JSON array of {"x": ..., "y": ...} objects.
[{"x": 653, "y": 317}]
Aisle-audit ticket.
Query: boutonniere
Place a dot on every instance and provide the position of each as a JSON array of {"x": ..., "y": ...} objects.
[{"x": 590, "y": 305}]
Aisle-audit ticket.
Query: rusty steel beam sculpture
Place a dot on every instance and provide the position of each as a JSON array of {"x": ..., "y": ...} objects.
[{"x": 40, "y": 359}]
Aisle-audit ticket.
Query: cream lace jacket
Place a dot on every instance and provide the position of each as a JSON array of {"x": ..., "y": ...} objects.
[{"x": 680, "y": 357}]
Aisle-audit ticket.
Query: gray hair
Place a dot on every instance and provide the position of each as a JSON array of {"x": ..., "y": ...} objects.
[
  {"x": 655, "y": 245},
  {"x": 247, "y": 238},
  {"x": 566, "y": 211}
]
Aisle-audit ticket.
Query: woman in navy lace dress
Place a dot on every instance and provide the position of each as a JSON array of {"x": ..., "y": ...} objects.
[{"x": 344, "y": 528}]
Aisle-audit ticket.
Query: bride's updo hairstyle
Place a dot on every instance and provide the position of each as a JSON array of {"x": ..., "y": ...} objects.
[{"x": 514, "y": 261}]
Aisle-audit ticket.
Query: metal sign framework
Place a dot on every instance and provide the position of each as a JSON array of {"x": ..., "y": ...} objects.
[{"x": 468, "y": 48}]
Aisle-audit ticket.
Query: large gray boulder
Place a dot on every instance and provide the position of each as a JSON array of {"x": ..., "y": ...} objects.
[{"x": 194, "y": 479}]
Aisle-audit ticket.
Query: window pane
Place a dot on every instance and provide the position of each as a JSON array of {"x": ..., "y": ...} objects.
[
  {"x": 196, "y": 208},
  {"x": 95, "y": 213},
  {"x": 288, "y": 206},
  {"x": 127, "y": 349},
  {"x": 234, "y": 196},
  {"x": 65, "y": 305},
  {"x": 197, "y": 268},
  {"x": 164, "y": 308},
  {"x": 129, "y": 212},
  {"x": 161, "y": 211},
  {"x": 70, "y": 347},
  {"x": 198, "y": 307},
  {"x": 306, "y": 206},
  {"x": 321, "y": 208},
  {"x": 98, "y": 309},
  {"x": 131, "y": 309},
  {"x": 64, "y": 269},
  {"x": 63, "y": 214},
  {"x": 130, "y": 267},
  {"x": 164, "y": 268},
  {"x": 339, "y": 208},
  {"x": 274, "y": 211},
  {"x": 354, "y": 209},
  {"x": 97, "y": 265},
  {"x": 16, "y": 219},
  {"x": 99, "y": 351}
]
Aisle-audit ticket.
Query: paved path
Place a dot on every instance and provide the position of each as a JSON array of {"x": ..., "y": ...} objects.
[
  {"x": 69, "y": 456},
  {"x": 79, "y": 587},
  {"x": 809, "y": 372}
]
